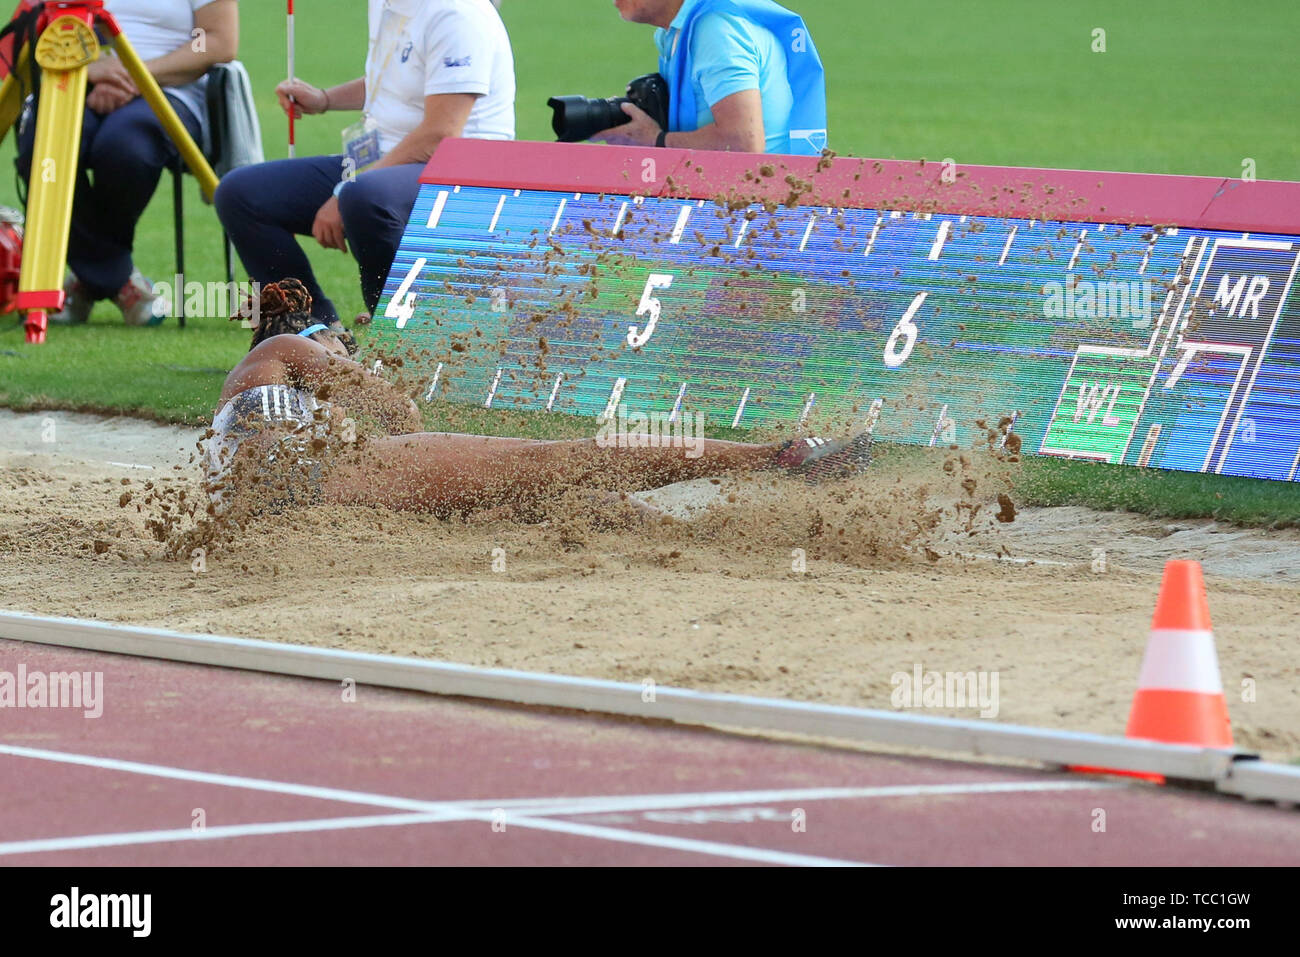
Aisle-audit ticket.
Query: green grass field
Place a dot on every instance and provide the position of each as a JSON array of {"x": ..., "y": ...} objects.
[{"x": 1181, "y": 88}]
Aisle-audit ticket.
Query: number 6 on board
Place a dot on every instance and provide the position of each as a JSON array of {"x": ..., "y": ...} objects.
[
  {"x": 906, "y": 329},
  {"x": 636, "y": 339}
]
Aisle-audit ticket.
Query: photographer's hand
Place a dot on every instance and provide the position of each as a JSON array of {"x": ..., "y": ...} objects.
[{"x": 642, "y": 131}]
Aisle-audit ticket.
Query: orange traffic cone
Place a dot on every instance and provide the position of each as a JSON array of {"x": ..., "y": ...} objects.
[
  {"x": 1179, "y": 698},
  {"x": 1180, "y": 695}
]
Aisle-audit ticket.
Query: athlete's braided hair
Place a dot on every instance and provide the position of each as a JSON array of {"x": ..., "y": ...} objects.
[{"x": 284, "y": 308}]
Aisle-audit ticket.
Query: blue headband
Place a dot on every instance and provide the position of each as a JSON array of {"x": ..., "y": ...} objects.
[{"x": 319, "y": 327}]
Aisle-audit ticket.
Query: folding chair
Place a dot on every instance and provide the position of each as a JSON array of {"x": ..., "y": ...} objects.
[{"x": 223, "y": 154}]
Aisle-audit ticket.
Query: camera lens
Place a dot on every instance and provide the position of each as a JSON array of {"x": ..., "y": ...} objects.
[{"x": 577, "y": 118}]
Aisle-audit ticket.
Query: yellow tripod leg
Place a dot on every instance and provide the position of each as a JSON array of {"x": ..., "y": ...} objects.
[
  {"x": 154, "y": 96},
  {"x": 11, "y": 92},
  {"x": 49, "y": 198},
  {"x": 65, "y": 48}
]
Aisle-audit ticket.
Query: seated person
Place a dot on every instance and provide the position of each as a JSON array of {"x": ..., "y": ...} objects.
[
  {"x": 742, "y": 75},
  {"x": 278, "y": 437},
  {"x": 435, "y": 68},
  {"x": 124, "y": 148}
]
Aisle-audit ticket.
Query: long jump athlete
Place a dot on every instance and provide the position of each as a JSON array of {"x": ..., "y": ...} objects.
[{"x": 287, "y": 396}]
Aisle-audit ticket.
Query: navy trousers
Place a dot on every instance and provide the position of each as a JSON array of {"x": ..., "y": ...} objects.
[
  {"x": 126, "y": 151},
  {"x": 264, "y": 207}
]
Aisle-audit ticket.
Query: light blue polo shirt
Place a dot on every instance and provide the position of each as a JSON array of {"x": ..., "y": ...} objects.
[{"x": 730, "y": 54}]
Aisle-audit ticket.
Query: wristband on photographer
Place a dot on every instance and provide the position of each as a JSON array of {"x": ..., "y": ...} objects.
[
  {"x": 339, "y": 188},
  {"x": 661, "y": 139}
]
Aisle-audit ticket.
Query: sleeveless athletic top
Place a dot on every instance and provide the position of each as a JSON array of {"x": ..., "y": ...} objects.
[{"x": 250, "y": 412}]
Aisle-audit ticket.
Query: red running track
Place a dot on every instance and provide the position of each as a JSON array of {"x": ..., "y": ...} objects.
[{"x": 280, "y": 770}]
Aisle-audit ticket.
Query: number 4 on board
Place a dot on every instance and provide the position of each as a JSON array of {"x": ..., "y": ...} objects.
[{"x": 402, "y": 306}]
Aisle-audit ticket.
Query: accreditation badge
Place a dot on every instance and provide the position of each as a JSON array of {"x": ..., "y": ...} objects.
[{"x": 361, "y": 145}]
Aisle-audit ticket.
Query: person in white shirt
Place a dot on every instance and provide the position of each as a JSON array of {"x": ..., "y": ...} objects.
[
  {"x": 123, "y": 144},
  {"x": 434, "y": 69}
]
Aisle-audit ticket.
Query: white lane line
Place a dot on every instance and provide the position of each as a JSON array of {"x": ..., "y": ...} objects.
[
  {"x": 591, "y": 804},
  {"x": 226, "y": 780},
  {"x": 536, "y": 814},
  {"x": 648, "y": 838},
  {"x": 561, "y": 806},
  {"x": 532, "y": 812},
  {"x": 616, "y": 835},
  {"x": 124, "y": 839}
]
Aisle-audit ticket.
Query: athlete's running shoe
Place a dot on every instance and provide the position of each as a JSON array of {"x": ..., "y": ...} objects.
[{"x": 820, "y": 460}]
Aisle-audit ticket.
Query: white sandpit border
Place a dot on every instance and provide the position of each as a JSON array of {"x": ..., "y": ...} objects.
[{"x": 1227, "y": 771}]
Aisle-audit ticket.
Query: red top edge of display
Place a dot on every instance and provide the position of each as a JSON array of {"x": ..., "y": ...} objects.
[{"x": 1207, "y": 202}]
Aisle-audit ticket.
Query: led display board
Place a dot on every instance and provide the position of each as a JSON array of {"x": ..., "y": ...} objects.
[{"x": 1145, "y": 320}]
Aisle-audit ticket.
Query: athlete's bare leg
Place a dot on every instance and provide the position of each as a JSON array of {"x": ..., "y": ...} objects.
[{"x": 439, "y": 471}]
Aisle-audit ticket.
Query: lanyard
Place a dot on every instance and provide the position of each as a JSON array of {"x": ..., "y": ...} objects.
[{"x": 373, "y": 77}]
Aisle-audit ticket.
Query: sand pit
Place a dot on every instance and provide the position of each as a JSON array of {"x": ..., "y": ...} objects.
[{"x": 711, "y": 603}]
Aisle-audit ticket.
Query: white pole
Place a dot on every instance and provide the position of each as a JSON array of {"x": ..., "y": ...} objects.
[{"x": 289, "y": 31}]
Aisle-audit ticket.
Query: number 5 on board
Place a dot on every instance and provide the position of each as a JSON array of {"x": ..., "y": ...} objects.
[{"x": 649, "y": 304}]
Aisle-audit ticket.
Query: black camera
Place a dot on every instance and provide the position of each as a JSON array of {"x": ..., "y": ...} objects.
[{"x": 578, "y": 118}]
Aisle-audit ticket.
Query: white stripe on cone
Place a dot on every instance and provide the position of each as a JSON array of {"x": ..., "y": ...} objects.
[{"x": 1178, "y": 660}]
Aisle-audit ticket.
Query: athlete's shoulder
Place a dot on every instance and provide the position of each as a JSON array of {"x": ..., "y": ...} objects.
[{"x": 287, "y": 343}]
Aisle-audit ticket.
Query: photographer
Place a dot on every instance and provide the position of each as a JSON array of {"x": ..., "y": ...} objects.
[
  {"x": 742, "y": 75},
  {"x": 434, "y": 69}
]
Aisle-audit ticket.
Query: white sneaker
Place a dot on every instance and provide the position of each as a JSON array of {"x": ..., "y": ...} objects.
[
  {"x": 139, "y": 304},
  {"x": 77, "y": 303}
]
